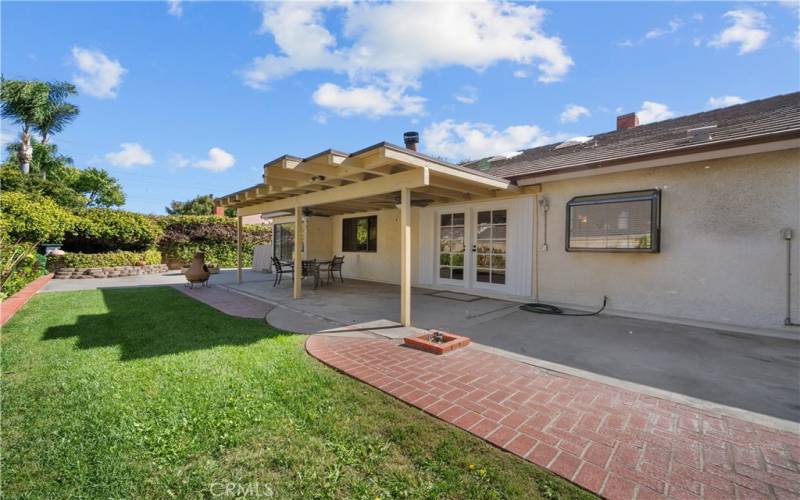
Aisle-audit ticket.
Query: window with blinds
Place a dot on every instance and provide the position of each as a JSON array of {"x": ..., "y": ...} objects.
[{"x": 616, "y": 222}]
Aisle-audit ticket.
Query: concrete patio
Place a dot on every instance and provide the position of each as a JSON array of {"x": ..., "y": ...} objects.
[{"x": 754, "y": 373}]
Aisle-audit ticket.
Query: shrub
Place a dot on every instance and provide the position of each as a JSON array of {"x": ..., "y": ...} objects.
[
  {"x": 20, "y": 265},
  {"x": 216, "y": 236},
  {"x": 108, "y": 259},
  {"x": 104, "y": 230},
  {"x": 26, "y": 218}
]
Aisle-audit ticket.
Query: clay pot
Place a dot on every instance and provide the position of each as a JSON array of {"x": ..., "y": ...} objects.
[{"x": 198, "y": 271}]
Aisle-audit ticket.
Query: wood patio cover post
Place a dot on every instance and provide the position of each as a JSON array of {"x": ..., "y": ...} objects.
[
  {"x": 297, "y": 283},
  {"x": 239, "y": 249},
  {"x": 405, "y": 256}
]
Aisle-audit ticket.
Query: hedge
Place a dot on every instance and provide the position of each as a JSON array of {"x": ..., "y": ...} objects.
[
  {"x": 32, "y": 219},
  {"x": 25, "y": 222},
  {"x": 107, "y": 259},
  {"x": 104, "y": 230},
  {"x": 216, "y": 236},
  {"x": 29, "y": 267}
]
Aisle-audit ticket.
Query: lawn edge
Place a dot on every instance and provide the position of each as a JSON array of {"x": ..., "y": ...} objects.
[
  {"x": 406, "y": 403},
  {"x": 10, "y": 306}
]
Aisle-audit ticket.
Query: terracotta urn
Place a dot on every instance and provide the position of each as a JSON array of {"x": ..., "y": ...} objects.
[{"x": 198, "y": 271}]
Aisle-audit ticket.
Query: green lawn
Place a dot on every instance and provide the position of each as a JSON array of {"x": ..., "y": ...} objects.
[{"x": 143, "y": 392}]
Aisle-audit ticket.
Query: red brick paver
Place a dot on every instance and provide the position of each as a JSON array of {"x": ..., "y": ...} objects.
[
  {"x": 11, "y": 305},
  {"x": 615, "y": 442}
]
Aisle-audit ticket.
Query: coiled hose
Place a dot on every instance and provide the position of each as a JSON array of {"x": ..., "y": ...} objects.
[{"x": 540, "y": 308}]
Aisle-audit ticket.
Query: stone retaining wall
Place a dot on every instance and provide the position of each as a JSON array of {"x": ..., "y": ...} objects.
[{"x": 108, "y": 272}]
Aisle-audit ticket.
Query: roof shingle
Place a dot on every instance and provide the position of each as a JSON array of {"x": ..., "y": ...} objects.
[{"x": 766, "y": 117}]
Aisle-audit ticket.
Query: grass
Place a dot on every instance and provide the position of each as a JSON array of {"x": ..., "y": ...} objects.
[{"x": 143, "y": 392}]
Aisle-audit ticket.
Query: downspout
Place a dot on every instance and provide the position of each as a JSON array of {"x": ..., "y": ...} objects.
[
  {"x": 787, "y": 235},
  {"x": 535, "y": 230}
]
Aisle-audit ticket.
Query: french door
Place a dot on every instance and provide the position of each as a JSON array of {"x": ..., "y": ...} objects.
[
  {"x": 472, "y": 248},
  {"x": 490, "y": 248},
  {"x": 452, "y": 247}
]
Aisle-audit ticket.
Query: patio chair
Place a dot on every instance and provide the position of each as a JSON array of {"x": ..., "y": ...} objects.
[
  {"x": 279, "y": 269},
  {"x": 335, "y": 265}
]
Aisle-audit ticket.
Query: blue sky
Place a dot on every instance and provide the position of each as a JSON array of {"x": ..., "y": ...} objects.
[{"x": 183, "y": 98}]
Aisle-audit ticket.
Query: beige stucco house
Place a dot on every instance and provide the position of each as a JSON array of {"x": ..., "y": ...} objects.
[{"x": 682, "y": 220}]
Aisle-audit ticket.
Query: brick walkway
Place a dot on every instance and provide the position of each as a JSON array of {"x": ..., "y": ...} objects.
[
  {"x": 11, "y": 305},
  {"x": 617, "y": 443}
]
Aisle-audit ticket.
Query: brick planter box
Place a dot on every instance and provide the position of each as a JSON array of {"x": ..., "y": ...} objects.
[
  {"x": 425, "y": 342},
  {"x": 108, "y": 272}
]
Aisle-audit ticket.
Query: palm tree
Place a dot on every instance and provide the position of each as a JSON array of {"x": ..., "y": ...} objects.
[
  {"x": 23, "y": 102},
  {"x": 57, "y": 113}
]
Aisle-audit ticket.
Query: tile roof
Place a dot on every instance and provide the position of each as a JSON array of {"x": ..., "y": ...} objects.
[{"x": 766, "y": 118}]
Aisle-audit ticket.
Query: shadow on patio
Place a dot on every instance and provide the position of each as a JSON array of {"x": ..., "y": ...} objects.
[{"x": 179, "y": 324}]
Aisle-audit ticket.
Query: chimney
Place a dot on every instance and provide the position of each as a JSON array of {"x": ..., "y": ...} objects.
[
  {"x": 411, "y": 139},
  {"x": 219, "y": 211},
  {"x": 627, "y": 121}
]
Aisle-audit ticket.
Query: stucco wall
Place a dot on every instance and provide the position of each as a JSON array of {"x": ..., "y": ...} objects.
[
  {"x": 383, "y": 265},
  {"x": 253, "y": 219},
  {"x": 722, "y": 259}
]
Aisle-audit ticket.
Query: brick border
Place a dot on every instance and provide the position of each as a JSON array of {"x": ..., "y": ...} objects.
[
  {"x": 10, "y": 306},
  {"x": 619, "y": 443}
]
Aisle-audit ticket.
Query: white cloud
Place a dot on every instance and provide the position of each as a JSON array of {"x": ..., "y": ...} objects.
[
  {"x": 724, "y": 101},
  {"x": 174, "y": 8},
  {"x": 465, "y": 140},
  {"x": 369, "y": 100},
  {"x": 521, "y": 73},
  {"x": 467, "y": 95},
  {"x": 573, "y": 113},
  {"x": 748, "y": 29},
  {"x": 131, "y": 155},
  {"x": 653, "y": 112},
  {"x": 321, "y": 118},
  {"x": 178, "y": 160},
  {"x": 673, "y": 26},
  {"x": 98, "y": 75},
  {"x": 218, "y": 160},
  {"x": 388, "y": 46},
  {"x": 795, "y": 39}
]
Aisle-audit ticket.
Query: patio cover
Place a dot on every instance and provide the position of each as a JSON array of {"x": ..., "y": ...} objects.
[{"x": 379, "y": 177}]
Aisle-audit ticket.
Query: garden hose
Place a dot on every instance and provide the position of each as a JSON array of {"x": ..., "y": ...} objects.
[{"x": 538, "y": 307}]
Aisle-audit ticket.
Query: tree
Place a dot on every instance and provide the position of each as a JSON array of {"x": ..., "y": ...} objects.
[
  {"x": 13, "y": 180},
  {"x": 24, "y": 102},
  {"x": 45, "y": 159},
  {"x": 99, "y": 188},
  {"x": 200, "y": 205},
  {"x": 57, "y": 113}
]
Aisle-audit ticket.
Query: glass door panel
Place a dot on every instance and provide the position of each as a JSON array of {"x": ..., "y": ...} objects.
[
  {"x": 490, "y": 247},
  {"x": 451, "y": 246}
]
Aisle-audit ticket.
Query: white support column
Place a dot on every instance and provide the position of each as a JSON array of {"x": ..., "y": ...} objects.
[
  {"x": 298, "y": 253},
  {"x": 405, "y": 256},
  {"x": 239, "y": 250}
]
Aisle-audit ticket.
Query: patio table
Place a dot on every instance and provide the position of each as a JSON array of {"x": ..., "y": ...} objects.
[{"x": 314, "y": 264}]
